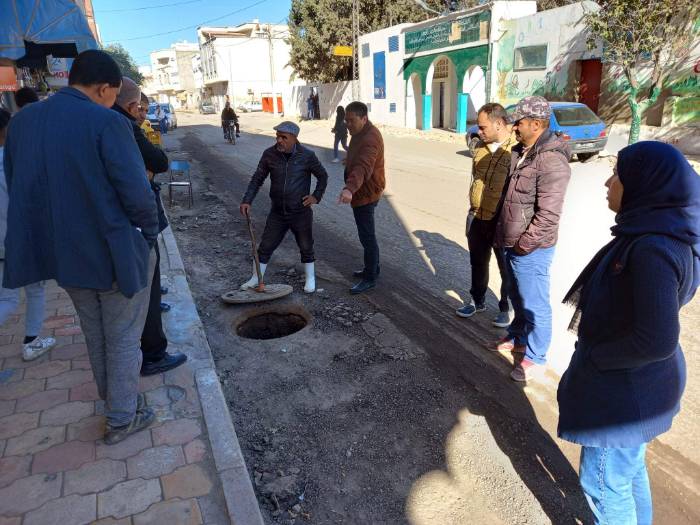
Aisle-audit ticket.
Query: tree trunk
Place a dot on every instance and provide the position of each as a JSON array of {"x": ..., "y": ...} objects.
[{"x": 638, "y": 107}]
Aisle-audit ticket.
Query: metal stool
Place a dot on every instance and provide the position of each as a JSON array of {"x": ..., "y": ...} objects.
[{"x": 181, "y": 167}]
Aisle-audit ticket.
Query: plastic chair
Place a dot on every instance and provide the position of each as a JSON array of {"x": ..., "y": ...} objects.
[{"x": 180, "y": 167}]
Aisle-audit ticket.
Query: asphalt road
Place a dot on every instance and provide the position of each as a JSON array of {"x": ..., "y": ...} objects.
[{"x": 420, "y": 224}]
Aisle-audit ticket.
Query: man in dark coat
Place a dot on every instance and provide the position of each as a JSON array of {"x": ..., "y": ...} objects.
[
  {"x": 153, "y": 340},
  {"x": 81, "y": 212},
  {"x": 290, "y": 166}
]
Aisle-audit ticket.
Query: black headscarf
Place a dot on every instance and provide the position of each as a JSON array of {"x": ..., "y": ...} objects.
[{"x": 661, "y": 196}]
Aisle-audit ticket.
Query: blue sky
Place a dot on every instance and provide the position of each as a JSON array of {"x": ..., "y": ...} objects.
[{"x": 124, "y": 21}]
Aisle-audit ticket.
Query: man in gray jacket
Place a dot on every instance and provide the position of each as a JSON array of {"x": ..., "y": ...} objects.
[{"x": 528, "y": 223}]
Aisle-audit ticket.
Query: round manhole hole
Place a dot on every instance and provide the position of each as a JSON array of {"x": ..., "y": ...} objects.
[{"x": 272, "y": 324}]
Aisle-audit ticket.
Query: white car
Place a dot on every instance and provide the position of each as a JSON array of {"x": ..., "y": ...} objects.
[
  {"x": 170, "y": 116},
  {"x": 248, "y": 107}
]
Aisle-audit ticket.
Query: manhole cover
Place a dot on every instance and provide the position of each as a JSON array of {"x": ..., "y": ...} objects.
[{"x": 272, "y": 324}]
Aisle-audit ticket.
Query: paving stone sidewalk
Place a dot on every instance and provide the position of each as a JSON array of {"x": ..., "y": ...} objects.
[{"x": 54, "y": 466}]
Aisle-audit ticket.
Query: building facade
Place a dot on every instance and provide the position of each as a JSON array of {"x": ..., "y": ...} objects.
[
  {"x": 245, "y": 63},
  {"x": 172, "y": 77}
]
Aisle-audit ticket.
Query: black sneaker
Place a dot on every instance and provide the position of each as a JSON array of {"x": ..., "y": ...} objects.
[
  {"x": 168, "y": 362},
  {"x": 143, "y": 419},
  {"x": 362, "y": 286}
]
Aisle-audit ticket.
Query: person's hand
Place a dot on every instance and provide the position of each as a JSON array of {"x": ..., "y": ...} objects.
[
  {"x": 309, "y": 200},
  {"x": 150, "y": 174},
  {"x": 245, "y": 209},
  {"x": 517, "y": 249},
  {"x": 345, "y": 197},
  {"x": 470, "y": 220}
]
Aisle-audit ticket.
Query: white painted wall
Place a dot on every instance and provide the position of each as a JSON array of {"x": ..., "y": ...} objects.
[
  {"x": 395, "y": 85},
  {"x": 330, "y": 96}
]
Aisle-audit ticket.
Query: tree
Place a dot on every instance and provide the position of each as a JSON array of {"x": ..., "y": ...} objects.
[
  {"x": 315, "y": 26},
  {"x": 126, "y": 63},
  {"x": 647, "y": 39}
]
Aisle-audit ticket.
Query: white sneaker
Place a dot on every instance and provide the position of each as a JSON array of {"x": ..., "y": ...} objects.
[
  {"x": 335, "y": 161},
  {"x": 253, "y": 281},
  {"x": 37, "y": 348},
  {"x": 310, "y": 284}
]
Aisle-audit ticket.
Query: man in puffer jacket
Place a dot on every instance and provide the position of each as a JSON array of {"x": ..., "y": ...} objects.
[
  {"x": 290, "y": 166},
  {"x": 527, "y": 228}
]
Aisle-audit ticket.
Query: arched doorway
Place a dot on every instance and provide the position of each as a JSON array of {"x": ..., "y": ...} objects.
[
  {"x": 414, "y": 102},
  {"x": 474, "y": 85},
  {"x": 441, "y": 82}
]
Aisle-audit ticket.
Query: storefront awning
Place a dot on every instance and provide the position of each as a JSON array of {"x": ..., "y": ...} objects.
[{"x": 58, "y": 26}]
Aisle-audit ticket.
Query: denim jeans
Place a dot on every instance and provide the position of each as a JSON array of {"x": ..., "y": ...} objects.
[
  {"x": 9, "y": 301},
  {"x": 616, "y": 485},
  {"x": 339, "y": 139},
  {"x": 364, "y": 219},
  {"x": 164, "y": 126},
  {"x": 276, "y": 227},
  {"x": 112, "y": 324},
  {"x": 480, "y": 242},
  {"x": 529, "y": 294}
]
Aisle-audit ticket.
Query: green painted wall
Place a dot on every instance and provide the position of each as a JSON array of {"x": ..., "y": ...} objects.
[{"x": 462, "y": 59}]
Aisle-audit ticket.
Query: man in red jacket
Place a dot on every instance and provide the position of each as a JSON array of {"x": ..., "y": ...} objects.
[
  {"x": 527, "y": 228},
  {"x": 364, "y": 185}
]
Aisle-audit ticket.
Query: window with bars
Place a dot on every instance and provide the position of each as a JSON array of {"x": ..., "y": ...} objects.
[
  {"x": 392, "y": 107},
  {"x": 393, "y": 44},
  {"x": 365, "y": 50},
  {"x": 441, "y": 70},
  {"x": 530, "y": 57}
]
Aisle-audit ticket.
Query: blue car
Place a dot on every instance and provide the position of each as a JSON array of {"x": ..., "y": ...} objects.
[{"x": 574, "y": 121}]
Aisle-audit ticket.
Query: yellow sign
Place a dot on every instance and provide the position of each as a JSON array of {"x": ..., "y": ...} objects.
[{"x": 342, "y": 51}]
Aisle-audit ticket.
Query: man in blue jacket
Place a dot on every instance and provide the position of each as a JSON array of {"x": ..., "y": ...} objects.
[{"x": 81, "y": 211}]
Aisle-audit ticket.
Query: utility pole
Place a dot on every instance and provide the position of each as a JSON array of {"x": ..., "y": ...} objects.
[
  {"x": 272, "y": 70},
  {"x": 355, "y": 50}
]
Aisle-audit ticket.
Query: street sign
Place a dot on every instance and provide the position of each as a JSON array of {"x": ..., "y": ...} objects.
[{"x": 342, "y": 51}]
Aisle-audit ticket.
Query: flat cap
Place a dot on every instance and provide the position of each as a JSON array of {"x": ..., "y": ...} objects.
[
  {"x": 287, "y": 127},
  {"x": 532, "y": 107}
]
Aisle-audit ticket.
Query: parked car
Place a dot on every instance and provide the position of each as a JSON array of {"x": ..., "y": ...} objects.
[
  {"x": 574, "y": 121},
  {"x": 247, "y": 107},
  {"x": 170, "y": 115},
  {"x": 207, "y": 108}
]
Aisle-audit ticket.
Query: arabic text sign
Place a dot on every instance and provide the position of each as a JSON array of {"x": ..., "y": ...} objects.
[{"x": 445, "y": 34}]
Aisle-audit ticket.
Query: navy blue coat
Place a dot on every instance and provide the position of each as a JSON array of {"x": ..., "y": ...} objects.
[{"x": 81, "y": 209}]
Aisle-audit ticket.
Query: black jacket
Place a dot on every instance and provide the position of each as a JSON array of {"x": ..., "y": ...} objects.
[
  {"x": 228, "y": 114},
  {"x": 290, "y": 178},
  {"x": 155, "y": 160}
]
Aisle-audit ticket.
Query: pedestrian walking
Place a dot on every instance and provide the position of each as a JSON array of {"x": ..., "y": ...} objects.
[
  {"x": 162, "y": 118},
  {"x": 364, "y": 186},
  {"x": 154, "y": 343},
  {"x": 527, "y": 228},
  {"x": 340, "y": 133},
  {"x": 490, "y": 167},
  {"x": 626, "y": 377},
  {"x": 33, "y": 346},
  {"x": 289, "y": 166},
  {"x": 81, "y": 212},
  {"x": 310, "y": 107}
]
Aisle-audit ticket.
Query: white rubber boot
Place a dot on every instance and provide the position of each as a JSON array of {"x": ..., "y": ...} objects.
[
  {"x": 310, "y": 284},
  {"x": 253, "y": 281}
]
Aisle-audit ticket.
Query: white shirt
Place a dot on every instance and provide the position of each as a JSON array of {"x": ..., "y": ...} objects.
[
  {"x": 525, "y": 150},
  {"x": 493, "y": 146}
]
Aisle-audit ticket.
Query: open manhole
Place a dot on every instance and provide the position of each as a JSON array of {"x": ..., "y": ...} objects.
[{"x": 272, "y": 324}]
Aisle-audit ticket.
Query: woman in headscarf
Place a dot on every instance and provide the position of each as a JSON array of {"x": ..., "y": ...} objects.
[{"x": 626, "y": 377}]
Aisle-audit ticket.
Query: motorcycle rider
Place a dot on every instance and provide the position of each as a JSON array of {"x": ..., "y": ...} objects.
[{"x": 228, "y": 115}]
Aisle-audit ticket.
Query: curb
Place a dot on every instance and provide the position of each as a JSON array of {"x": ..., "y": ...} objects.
[{"x": 241, "y": 503}]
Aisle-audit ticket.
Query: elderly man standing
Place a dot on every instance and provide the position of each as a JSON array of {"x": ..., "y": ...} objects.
[
  {"x": 290, "y": 166},
  {"x": 527, "y": 229},
  {"x": 153, "y": 340},
  {"x": 81, "y": 212},
  {"x": 364, "y": 185}
]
